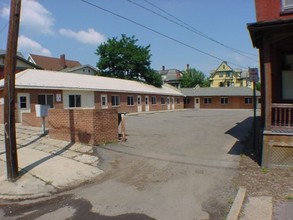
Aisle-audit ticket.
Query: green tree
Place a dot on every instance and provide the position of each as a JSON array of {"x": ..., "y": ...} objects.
[
  {"x": 123, "y": 58},
  {"x": 193, "y": 77}
]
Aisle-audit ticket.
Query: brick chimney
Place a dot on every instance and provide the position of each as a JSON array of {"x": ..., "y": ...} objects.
[{"x": 62, "y": 61}]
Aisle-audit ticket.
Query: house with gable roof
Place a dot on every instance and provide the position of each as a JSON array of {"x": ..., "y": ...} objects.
[
  {"x": 21, "y": 63},
  {"x": 225, "y": 76},
  {"x": 52, "y": 63}
]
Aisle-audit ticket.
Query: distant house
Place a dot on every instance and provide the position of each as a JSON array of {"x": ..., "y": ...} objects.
[
  {"x": 21, "y": 63},
  {"x": 171, "y": 76},
  {"x": 272, "y": 35},
  {"x": 83, "y": 69},
  {"x": 52, "y": 63},
  {"x": 225, "y": 76},
  {"x": 220, "y": 97}
]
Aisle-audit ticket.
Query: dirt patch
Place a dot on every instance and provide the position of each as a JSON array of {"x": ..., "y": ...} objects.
[{"x": 260, "y": 181}]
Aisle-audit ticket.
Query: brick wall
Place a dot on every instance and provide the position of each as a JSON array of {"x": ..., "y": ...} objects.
[
  {"x": 124, "y": 107},
  {"x": 88, "y": 126},
  {"x": 234, "y": 102},
  {"x": 269, "y": 10}
]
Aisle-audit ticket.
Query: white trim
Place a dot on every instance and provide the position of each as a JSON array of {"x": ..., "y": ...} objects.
[
  {"x": 287, "y": 4},
  {"x": 106, "y": 101}
]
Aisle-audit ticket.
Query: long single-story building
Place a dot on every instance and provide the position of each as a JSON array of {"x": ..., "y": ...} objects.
[
  {"x": 63, "y": 90},
  {"x": 84, "y": 108},
  {"x": 220, "y": 97}
]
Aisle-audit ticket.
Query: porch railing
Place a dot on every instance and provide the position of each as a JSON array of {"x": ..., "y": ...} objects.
[{"x": 282, "y": 117}]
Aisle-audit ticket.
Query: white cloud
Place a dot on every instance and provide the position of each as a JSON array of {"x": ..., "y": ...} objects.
[
  {"x": 29, "y": 46},
  {"x": 34, "y": 16},
  {"x": 87, "y": 37},
  {"x": 5, "y": 11}
]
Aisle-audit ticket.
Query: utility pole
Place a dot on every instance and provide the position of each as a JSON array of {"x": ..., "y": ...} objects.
[{"x": 9, "y": 91}]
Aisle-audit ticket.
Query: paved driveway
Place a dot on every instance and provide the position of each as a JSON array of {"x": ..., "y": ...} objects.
[{"x": 174, "y": 165}]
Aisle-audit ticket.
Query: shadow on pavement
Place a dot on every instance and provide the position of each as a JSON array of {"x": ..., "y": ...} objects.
[{"x": 244, "y": 133}]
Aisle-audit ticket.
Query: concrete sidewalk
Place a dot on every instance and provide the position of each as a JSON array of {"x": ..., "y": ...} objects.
[{"x": 46, "y": 165}]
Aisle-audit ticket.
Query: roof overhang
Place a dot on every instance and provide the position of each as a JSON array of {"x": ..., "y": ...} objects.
[{"x": 278, "y": 27}]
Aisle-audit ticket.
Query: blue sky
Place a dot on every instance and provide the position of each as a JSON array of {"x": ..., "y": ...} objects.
[{"x": 76, "y": 28}]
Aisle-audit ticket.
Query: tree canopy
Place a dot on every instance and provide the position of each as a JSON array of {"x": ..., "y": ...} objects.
[
  {"x": 193, "y": 77},
  {"x": 123, "y": 58}
]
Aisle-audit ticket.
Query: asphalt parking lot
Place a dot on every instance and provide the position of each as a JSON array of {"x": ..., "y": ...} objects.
[{"x": 174, "y": 165}]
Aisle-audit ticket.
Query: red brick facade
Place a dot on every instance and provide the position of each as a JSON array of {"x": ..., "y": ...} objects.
[
  {"x": 270, "y": 10},
  {"x": 124, "y": 107},
  {"x": 89, "y": 126},
  {"x": 234, "y": 102}
]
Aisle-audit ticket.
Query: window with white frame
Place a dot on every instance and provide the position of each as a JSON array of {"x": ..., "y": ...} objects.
[
  {"x": 74, "y": 101},
  {"x": 248, "y": 100},
  {"x": 23, "y": 102},
  {"x": 115, "y": 100},
  {"x": 104, "y": 101},
  {"x": 224, "y": 100},
  {"x": 154, "y": 100},
  {"x": 46, "y": 99},
  {"x": 207, "y": 100},
  {"x": 287, "y": 5},
  {"x": 130, "y": 100}
]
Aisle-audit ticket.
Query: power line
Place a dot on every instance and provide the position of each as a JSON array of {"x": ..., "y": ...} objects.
[
  {"x": 192, "y": 29},
  {"x": 157, "y": 32},
  {"x": 2, "y": 29}
]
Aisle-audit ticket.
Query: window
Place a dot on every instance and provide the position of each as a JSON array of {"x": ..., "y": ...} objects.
[
  {"x": 115, "y": 100},
  {"x": 178, "y": 100},
  {"x": 163, "y": 101},
  {"x": 228, "y": 74},
  {"x": 23, "y": 102},
  {"x": 130, "y": 100},
  {"x": 224, "y": 100},
  {"x": 104, "y": 101},
  {"x": 154, "y": 100},
  {"x": 139, "y": 100},
  {"x": 207, "y": 100},
  {"x": 221, "y": 74},
  {"x": 247, "y": 100},
  {"x": 46, "y": 100},
  {"x": 287, "y": 4},
  {"x": 74, "y": 101}
]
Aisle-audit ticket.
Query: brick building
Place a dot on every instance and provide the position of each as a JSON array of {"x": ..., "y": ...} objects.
[
  {"x": 219, "y": 98},
  {"x": 272, "y": 35},
  {"x": 85, "y": 100}
]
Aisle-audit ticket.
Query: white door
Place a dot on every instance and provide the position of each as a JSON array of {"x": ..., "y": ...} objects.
[
  {"x": 139, "y": 107},
  {"x": 23, "y": 101},
  {"x": 168, "y": 103},
  {"x": 173, "y": 103},
  {"x": 147, "y": 104},
  {"x": 196, "y": 103}
]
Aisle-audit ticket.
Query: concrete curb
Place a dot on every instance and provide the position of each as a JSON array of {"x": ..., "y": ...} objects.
[{"x": 237, "y": 204}]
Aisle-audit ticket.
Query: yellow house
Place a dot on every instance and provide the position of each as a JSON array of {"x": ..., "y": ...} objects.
[{"x": 225, "y": 76}]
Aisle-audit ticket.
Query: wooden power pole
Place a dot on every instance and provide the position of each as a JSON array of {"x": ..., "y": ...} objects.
[{"x": 9, "y": 91}]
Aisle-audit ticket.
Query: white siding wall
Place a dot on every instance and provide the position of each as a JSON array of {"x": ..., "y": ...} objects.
[{"x": 87, "y": 98}]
